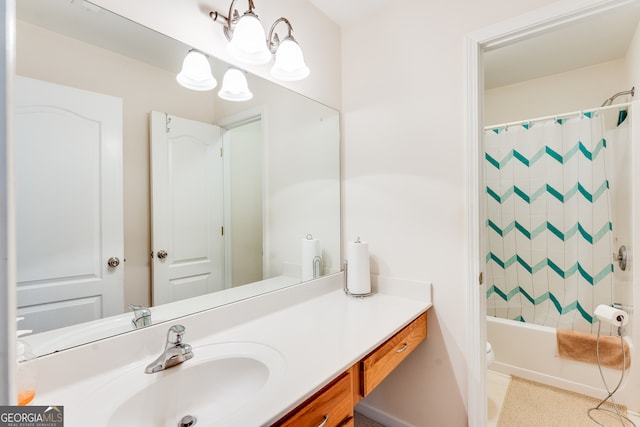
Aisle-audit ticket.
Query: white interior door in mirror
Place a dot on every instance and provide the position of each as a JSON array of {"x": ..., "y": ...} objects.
[
  {"x": 69, "y": 209},
  {"x": 187, "y": 208}
]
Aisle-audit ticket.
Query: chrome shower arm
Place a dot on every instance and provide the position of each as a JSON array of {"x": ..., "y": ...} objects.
[{"x": 609, "y": 101}]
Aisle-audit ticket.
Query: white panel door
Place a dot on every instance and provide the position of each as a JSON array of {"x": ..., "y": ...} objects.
[
  {"x": 187, "y": 217},
  {"x": 69, "y": 209}
]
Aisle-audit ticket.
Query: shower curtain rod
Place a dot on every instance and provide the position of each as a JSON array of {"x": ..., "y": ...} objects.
[{"x": 557, "y": 116}]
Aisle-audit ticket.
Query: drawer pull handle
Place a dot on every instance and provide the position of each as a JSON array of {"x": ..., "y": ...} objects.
[
  {"x": 403, "y": 348},
  {"x": 324, "y": 422}
]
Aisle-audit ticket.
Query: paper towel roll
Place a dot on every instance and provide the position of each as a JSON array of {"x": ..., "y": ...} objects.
[
  {"x": 358, "y": 274},
  {"x": 611, "y": 315},
  {"x": 310, "y": 250}
]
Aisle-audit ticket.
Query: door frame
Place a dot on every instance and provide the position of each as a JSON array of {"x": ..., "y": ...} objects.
[
  {"x": 8, "y": 301},
  {"x": 501, "y": 34}
]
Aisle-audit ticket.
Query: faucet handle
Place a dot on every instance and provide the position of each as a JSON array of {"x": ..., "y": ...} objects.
[
  {"x": 174, "y": 336},
  {"x": 141, "y": 315},
  {"x": 138, "y": 309}
]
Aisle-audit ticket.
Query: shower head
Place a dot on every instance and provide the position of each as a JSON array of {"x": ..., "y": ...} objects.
[{"x": 609, "y": 101}]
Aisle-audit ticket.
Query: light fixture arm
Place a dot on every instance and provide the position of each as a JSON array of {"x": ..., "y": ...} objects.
[
  {"x": 249, "y": 44},
  {"x": 229, "y": 22},
  {"x": 274, "y": 41}
]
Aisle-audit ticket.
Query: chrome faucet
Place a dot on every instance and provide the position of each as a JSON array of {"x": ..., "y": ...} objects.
[
  {"x": 141, "y": 316},
  {"x": 175, "y": 351}
]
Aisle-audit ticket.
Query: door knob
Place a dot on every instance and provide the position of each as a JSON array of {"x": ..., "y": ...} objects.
[
  {"x": 162, "y": 254},
  {"x": 113, "y": 262}
]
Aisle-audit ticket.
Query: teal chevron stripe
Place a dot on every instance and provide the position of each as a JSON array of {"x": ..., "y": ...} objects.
[
  {"x": 539, "y": 300},
  {"x": 557, "y": 156},
  {"x": 563, "y": 198},
  {"x": 515, "y": 225},
  {"x": 603, "y": 187},
  {"x": 524, "y": 196},
  {"x": 546, "y": 262},
  {"x": 579, "y": 147},
  {"x": 496, "y": 164},
  {"x": 523, "y": 159},
  {"x": 499, "y": 164}
]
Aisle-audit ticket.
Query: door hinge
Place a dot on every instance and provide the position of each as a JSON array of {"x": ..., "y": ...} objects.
[
  {"x": 481, "y": 278},
  {"x": 220, "y": 151},
  {"x": 222, "y": 231}
]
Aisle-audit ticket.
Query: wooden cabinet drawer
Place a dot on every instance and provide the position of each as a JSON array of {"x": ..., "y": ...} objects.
[
  {"x": 333, "y": 403},
  {"x": 379, "y": 363}
]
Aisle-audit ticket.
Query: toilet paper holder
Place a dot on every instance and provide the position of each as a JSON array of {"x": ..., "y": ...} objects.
[
  {"x": 346, "y": 287},
  {"x": 621, "y": 257}
]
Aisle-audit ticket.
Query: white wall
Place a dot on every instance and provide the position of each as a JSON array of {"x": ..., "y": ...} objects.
[
  {"x": 560, "y": 93},
  {"x": 404, "y": 180},
  {"x": 633, "y": 59}
]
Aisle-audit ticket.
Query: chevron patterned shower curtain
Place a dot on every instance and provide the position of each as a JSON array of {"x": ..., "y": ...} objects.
[{"x": 549, "y": 228}]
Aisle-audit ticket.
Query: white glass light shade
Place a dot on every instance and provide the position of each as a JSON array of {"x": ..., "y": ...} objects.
[
  {"x": 289, "y": 64},
  {"x": 196, "y": 72},
  {"x": 249, "y": 43},
  {"x": 234, "y": 86}
]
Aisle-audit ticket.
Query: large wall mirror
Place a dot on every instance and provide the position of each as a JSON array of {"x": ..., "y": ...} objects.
[{"x": 134, "y": 191}]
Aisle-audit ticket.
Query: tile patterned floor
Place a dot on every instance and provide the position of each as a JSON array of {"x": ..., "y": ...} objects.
[{"x": 497, "y": 384}]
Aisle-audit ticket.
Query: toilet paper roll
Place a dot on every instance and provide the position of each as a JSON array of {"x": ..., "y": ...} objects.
[
  {"x": 611, "y": 315},
  {"x": 358, "y": 274},
  {"x": 310, "y": 250}
]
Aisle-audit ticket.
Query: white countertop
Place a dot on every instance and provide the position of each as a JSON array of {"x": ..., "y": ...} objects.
[{"x": 319, "y": 331}]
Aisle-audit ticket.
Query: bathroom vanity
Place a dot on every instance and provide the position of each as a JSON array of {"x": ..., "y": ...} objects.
[
  {"x": 333, "y": 405},
  {"x": 307, "y": 352}
]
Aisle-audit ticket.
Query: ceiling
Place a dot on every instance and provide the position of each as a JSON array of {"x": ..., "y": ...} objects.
[
  {"x": 590, "y": 41},
  {"x": 343, "y": 12}
]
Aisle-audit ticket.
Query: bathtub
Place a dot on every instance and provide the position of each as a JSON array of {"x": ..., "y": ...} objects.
[{"x": 529, "y": 351}]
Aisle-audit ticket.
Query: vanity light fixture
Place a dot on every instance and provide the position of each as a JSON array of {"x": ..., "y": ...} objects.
[
  {"x": 245, "y": 34},
  {"x": 248, "y": 43},
  {"x": 196, "y": 72},
  {"x": 289, "y": 64},
  {"x": 234, "y": 86}
]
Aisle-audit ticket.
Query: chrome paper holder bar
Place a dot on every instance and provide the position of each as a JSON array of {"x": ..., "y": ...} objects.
[{"x": 346, "y": 286}]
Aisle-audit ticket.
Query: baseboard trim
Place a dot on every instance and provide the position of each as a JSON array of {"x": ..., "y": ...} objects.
[{"x": 382, "y": 417}]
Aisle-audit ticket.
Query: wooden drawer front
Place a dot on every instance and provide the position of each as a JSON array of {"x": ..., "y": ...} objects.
[
  {"x": 333, "y": 402},
  {"x": 379, "y": 363}
]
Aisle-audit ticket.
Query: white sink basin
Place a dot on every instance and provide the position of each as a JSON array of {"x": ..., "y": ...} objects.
[{"x": 216, "y": 383}]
